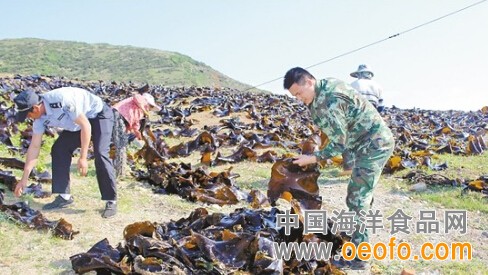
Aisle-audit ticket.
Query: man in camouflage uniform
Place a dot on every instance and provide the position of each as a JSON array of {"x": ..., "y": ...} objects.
[{"x": 352, "y": 124}]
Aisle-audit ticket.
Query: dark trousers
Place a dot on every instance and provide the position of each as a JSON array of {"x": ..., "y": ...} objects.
[{"x": 68, "y": 142}]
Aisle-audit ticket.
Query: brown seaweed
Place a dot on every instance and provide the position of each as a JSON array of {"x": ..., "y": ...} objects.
[
  {"x": 288, "y": 179},
  {"x": 33, "y": 219},
  {"x": 205, "y": 243}
]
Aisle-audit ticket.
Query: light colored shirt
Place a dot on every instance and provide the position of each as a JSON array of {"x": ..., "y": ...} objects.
[
  {"x": 370, "y": 89},
  {"x": 64, "y": 105}
]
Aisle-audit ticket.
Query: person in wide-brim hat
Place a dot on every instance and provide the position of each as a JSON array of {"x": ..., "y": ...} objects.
[
  {"x": 362, "y": 70},
  {"x": 368, "y": 87}
]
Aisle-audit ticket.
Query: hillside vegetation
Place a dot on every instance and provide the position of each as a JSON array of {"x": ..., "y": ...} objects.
[{"x": 108, "y": 62}]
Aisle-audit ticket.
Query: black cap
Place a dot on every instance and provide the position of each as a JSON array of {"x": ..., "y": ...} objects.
[{"x": 24, "y": 101}]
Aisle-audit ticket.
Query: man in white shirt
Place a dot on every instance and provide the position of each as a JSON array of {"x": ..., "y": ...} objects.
[
  {"x": 371, "y": 90},
  {"x": 83, "y": 117}
]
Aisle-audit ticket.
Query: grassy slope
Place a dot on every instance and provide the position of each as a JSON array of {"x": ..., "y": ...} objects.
[{"x": 108, "y": 62}]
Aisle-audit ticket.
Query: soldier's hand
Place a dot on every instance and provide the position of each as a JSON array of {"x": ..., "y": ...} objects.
[
  {"x": 83, "y": 166},
  {"x": 19, "y": 187},
  {"x": 303, "y": 160}
]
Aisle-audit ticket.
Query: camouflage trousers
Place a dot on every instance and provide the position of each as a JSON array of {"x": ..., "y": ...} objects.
[
  {"x": 120, "y": 141},
  {"x": 368, "y": 165},
  {"x": 347, "y": 160}
]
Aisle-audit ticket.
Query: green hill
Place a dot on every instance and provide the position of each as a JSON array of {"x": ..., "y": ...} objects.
[{"x": 108, "y": 62}]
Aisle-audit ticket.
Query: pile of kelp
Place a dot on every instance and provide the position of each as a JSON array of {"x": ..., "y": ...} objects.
[
  {"x": 21, "y": 213},
  {"x": 289, "y": 181},
  {"x": 421, "y": 134},
  {"x": 35, "y": 189},
  {"x": 278, "y": 123},
  {"x": 271, "y": 120},
  {"x": 218, "y": 243},
  {"x": 210, "y": 187},
  {"x": 205, "y": 243},
  {"x": 193, "y": 184},
  {"x": 210, "y": 121}
]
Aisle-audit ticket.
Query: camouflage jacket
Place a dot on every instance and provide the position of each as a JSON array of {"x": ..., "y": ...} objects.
[{"x": 349, "y": 120}]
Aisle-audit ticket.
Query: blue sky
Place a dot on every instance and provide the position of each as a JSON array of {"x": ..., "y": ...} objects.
[{"x": 440, "y": 66}]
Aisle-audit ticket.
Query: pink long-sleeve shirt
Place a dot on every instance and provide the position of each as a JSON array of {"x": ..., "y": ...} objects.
[{"x": 131, "y": 109}]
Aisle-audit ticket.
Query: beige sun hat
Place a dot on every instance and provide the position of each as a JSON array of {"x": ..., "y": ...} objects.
[{"x": 362, "y": 68}]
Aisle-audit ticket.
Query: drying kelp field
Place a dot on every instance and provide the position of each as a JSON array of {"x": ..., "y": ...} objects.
[{"x": 201, "y": 193}]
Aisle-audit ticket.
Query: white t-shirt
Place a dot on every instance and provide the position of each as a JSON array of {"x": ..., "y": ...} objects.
[
  {"x": 369, "y": 89},
  {"x": 64, "y": 105}
]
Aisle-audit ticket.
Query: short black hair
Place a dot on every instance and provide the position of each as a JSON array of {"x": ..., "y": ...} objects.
[{"x": 295, "y": 75}]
